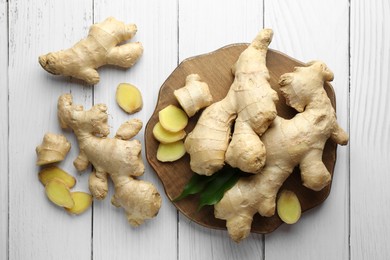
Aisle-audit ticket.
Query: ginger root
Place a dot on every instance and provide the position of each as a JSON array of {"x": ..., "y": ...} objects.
[
  {"x": 288, "y": 142},
  {"x": 170, "y": 152},
  {"x": 48, "y": 174},
  {"x": 59, "y": 193},
  {"x": 194, "y": 96},
  {"x": 166, "y": 137},
  {"x": 172, "y": 118},
  {"x": 250, "y": 103},
  {"x": 116, "y": 157},
  {"x": 288, "y": 207},
  {"x": 53, "y": 149},
  {"x": 99, "y": 48},
  {"x": 129, "y": 98},
  {"x": 82, "y": 201}
]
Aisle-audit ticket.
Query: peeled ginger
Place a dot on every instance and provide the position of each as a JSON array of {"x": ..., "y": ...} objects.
[
  {"x": 48, "y": 174},
  {"x": 129, "y": 98},
  {"x": 170, "y": 152},
  {"x": 173, "y": 118},
  {"x": 59, "y": 194},
  {"x": 166, "y": 137},
  {"x": 82, "y": 201},
  {"x": 288, "y": 207}
]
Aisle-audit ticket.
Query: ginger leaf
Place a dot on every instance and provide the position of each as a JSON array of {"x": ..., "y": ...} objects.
[
  {"x": 195, "y": 185},
  {"x": 214, "y": 191}
]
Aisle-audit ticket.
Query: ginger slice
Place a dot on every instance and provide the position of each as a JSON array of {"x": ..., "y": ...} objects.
[
  {"x": 59, "y": 194},
  {"x": 48, "y": 174},
  {"x": 129, "y": 98},
  {"x": 288, "y": 207},
  {"x": 170, "y": 152},
  {"x": 166, "y": 137},
  {"x": 82, "y": 201},
  {"x": 173, "y": 118}
]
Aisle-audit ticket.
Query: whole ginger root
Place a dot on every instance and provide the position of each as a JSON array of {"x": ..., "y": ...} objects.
[
  {"x": 250, "y": 103},
  {"x": 288, "y": 142},
  {"x": 115, "y": 157},
  {"x": 99, "y": 48}
]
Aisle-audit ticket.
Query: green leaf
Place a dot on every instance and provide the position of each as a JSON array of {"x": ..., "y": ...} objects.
[
  {"x": 214, "y": 191},
  {"x": 195, "y": 185}
]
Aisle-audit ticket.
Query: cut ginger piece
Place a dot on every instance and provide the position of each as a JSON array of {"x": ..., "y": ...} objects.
[
  {"x": 50, "y": 173},
  {"x": 129, "y": 98},
  {"x": 173, "y": 118},
  {"x": 59, "y": 193},
  {"x": 166, "y": 137},
  {"x": 82, "y": 201},
  {"x": 288, "y": 207},
  {"x": 170, "y": 152}
]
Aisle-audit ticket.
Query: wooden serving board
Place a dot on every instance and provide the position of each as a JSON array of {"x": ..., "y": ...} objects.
[{"x": 215, "y": 69}]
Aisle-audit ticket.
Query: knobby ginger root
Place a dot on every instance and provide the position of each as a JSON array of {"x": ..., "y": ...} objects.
[
  {"x": 115, "y": 157},
  {"x": 166, "y": 137},
  {"x": 50, "y": 173},
  {"x": 170, "y": 152},
  {"x": 82, "y": 201},
  {"x": 250, "y": 103},
  {"x": 99, "y": 48},
  {"x": 53, "y": 149},
  {"x": 194, "y": 95},
  {"x": 288, "y": 207},
  {"x": 288, "y": 142},
  {"x": 129, "y": 98},
  {"x": 59, "y": 193},
  {"x": 172, "y": 118}
]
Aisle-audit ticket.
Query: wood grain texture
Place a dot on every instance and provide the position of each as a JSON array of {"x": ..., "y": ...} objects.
[
  {"x": 37, "y": 228},
  {"x": 205, "y": 26},
  {"x": 3, "y": 130},
  {"x": 113, "y": 237},
  {"x": 215, "y": 69},
  {"x": 370, "y": 129},
  {"x": 309, "y": 30}
]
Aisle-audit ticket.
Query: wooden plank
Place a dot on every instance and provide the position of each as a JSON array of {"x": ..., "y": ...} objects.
[
  {"x": 37, "y": 228},
  {"x": 309, "y": 30},
  {"x": 370, "y": 128},
  {"x": 4, "y": 129},
  {"x": 205, "y": 26},
  {"x": 113, "y": 237}
]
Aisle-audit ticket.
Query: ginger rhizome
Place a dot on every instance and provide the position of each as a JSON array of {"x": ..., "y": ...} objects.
[
  {"x": 102, "y": 46},
  {"x": 288, "y": 142},
  {"x": 116, "y": 157},
  {"x": 53, "y": 149},
  {"x": 194, "y": 96},
  {"x": 250, "y": 103}
]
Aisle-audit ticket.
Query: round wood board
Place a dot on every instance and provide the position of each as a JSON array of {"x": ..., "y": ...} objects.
[{"x": 215, "y": 69}]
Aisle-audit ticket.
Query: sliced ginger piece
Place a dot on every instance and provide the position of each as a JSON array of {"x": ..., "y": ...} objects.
[
  {"x": 289, "y": 207},
  {"x": 82, "y": 201},
  {"x": 59, "y": 193},
  {"x": 50, "y": 173},
  {"x": 173, "y": 118},
  {"x": 129, "y": 98},
  {"x": 170, "y": 152},
  {"x": 166, "y": 137}
]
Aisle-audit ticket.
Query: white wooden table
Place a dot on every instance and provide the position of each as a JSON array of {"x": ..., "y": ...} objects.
[{"x": 352, "y": 37}]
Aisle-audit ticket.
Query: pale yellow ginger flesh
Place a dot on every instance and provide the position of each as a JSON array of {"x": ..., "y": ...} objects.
[
  {"x": 82, "y": 201},
  {"x": 59, "y": 193},
  {"x": 54, "y": 148},
  {"x": 288, "y": 207},
  {"x": 102, "y": 46},
  {"x": 116, "y": 157},
  {"x": 50, "y": 173},
  {"x": 288, "y": 142},
  {"x": 194, "y": 96},
  {"x": 129, "y": 98},
  {"x": 170, "y": 152},
  {"x": 250, "y": 103},
  {"x": 166, "y": 137},
  {"x": 172, "y": 118}
]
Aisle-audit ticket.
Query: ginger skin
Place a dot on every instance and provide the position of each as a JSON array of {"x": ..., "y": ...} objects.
[
  {"x": 250, "y": 102},
  {"x": 116, "y": 157},
  {"x": 54, "y": 148},
  {"x": 99, "y": 48},
  {"x": 299, "y": 140}
]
